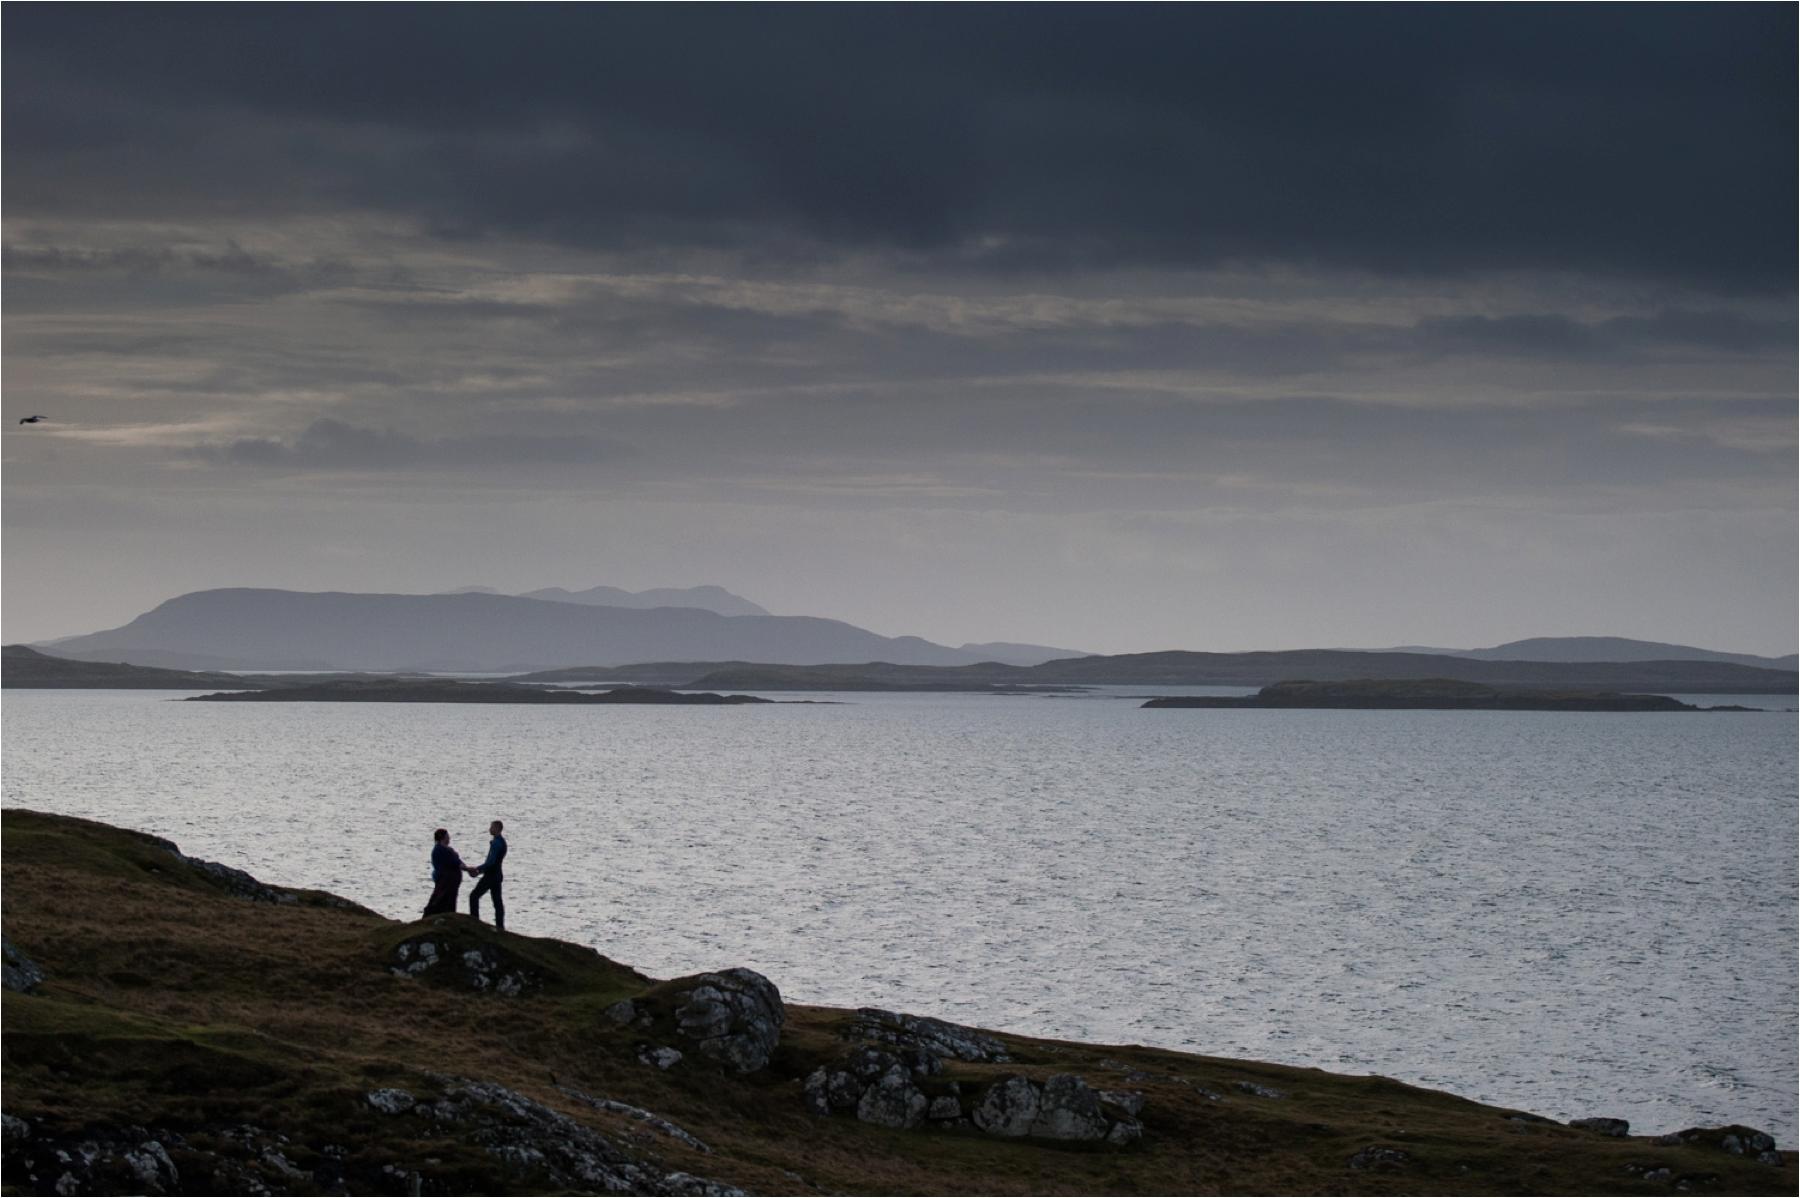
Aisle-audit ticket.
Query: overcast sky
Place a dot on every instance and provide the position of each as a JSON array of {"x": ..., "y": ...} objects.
[{"x": 1113, "y": 328}]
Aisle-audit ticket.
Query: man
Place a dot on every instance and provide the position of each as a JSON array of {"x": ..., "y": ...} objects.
[
  {"x": 446, "y": 874},
  {"x": 491, "y": 877}
]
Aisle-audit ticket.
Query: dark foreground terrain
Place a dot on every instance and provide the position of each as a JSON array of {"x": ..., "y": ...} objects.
[
  {"x": 175, "y": 1026},
  {"x": 1431, "y": 694}
]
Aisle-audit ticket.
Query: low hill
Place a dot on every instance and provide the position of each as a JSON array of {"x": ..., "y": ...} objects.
[
  {"x": 175, "y": 1026},
  {"x": 1431, "y": 694},
  {"x": 1605, "y": 648},
  {"x": 257, "y": 629},
  {"x": 1180, "y": 668},
  {"x": 24, "y": 667}
]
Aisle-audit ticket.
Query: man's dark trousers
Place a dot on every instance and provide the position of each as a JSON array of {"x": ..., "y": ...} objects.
[{"x": 489, "y": 884}]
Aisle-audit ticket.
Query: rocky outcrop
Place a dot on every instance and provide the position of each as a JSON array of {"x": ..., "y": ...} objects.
[
  {"x": 1063, "y": 1107},
  {"x": 893, "y": 1101},
  {"x": 1603, "y": 1125},
  {"x": 1735, "y": 1139},
  {"x": 733, "y": 1017},
  {"x": 889, "y": 1090},
  {"x": 236, "y": 881},
  {"x": 19, "y": 973},
  {"x": 473, "y": 966},
  {"x": 1380, "y": 1158},
  {"x": 919, "y": 1033},
  {"x": 650, "y": 1118},
  {"x": 536, "y": 1141}
]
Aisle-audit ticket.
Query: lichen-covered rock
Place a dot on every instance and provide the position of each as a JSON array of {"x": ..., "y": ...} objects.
[
  {"x": 1380, "y": 1158},
  {"x": 871, "y": 1063},
  {"x": 97, "y": 1160},
  {"x": 1125, "y": 1131},
  {"x": 651, "y": 1118},
  {"x": 1260, "y": 1090},
  {"x": 481, "y": 967},
  {"x": 1065, "y": 1107},
  {"x": 1008, "y": 1107},
  {"x": 532, "y": 1137},
  {"x": 1603, "y": 1125},
  {"x": 813, "y": 1092},
  {"x": 20, "y": 973},
  {"x": 734, "y": 1017},
  {"x": 237, "y": 882},
  {"x": 934, "y": 1037},
  {"x": 1131, "y": 1102},
  {"x": 827, "y": 1090},
  {"x": 1068, "y": 1109},
  {"x": 660, "y": 1056},
  {"x": 945, "y": 1106},
  {"x": 892, "y": 1101},
  {"x": 390, "y": 1102}
]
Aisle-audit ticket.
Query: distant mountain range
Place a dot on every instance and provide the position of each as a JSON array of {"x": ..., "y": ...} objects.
[
  {"x": 706, "y": 598},
  {"x": 1602, "y": 648},
  {"x": 256, "y": 629},
  {"x": 475, "y": 631}
]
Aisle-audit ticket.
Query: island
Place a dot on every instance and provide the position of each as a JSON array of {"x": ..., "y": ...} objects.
[
  {"x": 22, "y": 667},
  {"x": 447, "y": 690},
  {"x": 178, "y": 1026},
  {"x": 1431, "y": 694}
]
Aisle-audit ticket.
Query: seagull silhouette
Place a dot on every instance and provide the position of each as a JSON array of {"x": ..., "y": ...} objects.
[{"x": 32, "y": 419}]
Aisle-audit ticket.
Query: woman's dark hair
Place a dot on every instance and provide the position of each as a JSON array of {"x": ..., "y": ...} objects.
[{"x": 440, "y": 835}]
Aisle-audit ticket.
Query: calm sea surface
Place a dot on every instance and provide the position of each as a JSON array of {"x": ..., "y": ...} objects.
[{"x": 1576, "y": 914}]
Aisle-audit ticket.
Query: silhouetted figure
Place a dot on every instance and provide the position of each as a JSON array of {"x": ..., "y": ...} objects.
[
  {"x": 491, "y": 877},
  {"x": 446, "y": 875},
  {"x": 33, "y": 419}
]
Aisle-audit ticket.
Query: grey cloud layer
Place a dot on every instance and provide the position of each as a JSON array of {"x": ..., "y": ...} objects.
[
  {"x": 1649, "y": 140},
  {"x": 964, "y": 321}
]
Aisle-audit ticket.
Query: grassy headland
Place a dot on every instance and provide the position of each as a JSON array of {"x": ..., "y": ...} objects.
[{"x": 201, "y": 1032}]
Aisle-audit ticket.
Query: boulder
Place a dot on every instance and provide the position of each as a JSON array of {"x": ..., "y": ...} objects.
[
  {"x": 1125, "y": 1131},
  {"x": 1603, "y": 1125},
  {"x": 933, "y": 1037},
  {"x": 1131, "y": 1102},
  {"x": 733, "y": 1017},
  {"x": 892, "y": 1101},
  {"x": 1380, "y": 1158},
  {"x": 1068, "y": 1109},
  {"x": 19, "y": 973},
  {"x": 871, "y": 1063},
  {"x": 391, "y": 1102},
  {"x": 438, "y": 955},
  {"x": 1008, "y": 1107}
]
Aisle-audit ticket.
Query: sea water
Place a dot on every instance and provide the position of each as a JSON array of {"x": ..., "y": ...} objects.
[{"x": 1570, "y": 913}]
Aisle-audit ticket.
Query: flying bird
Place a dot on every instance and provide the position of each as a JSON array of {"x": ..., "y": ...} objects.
[{"x": 31, "y": 419}]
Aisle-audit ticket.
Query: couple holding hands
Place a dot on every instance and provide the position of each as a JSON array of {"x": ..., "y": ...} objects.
[{"x": 447, "y": 869}]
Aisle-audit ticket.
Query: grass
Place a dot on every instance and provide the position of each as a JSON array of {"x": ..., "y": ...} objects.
[{"x": 173, "y": 1003}]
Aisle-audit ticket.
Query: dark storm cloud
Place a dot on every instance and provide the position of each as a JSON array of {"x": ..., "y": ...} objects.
[
  {"x": 1647, "y": 140},
  {"x": 331, "y": 445}
]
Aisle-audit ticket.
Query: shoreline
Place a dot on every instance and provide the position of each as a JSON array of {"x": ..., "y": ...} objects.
[{"x": 1137, "y": 1107}]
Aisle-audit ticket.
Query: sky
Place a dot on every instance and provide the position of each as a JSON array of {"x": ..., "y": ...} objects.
[{"x": 1113, "y": 328}]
